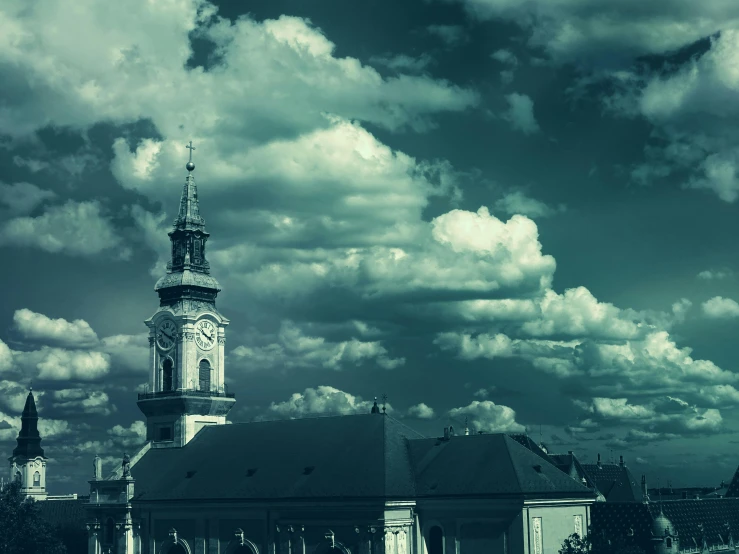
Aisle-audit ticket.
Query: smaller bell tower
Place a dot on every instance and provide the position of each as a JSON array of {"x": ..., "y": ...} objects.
[
  {"x": 187, "y": 336},
  {"x": 28, "y": 463}
]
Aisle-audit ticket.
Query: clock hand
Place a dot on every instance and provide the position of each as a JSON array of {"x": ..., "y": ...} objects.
[{"x": 168, "y": 336}]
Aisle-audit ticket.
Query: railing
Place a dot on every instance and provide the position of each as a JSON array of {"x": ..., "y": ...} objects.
[{"x": 183, "y": 392}]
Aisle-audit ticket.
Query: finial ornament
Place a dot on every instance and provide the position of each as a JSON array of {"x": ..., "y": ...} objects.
[
  {"x": 384, "y": 401},
  {"x": 190, "y": 166}
]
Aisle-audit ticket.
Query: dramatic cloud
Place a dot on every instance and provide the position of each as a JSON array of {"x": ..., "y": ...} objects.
[
  {"x": 56, "y": 364},
  {"x": 323, "y": 400},
  {"x": 489, "y": 417},
  {"x": 38, "y": 327},
  {"x": 518, "y": 203},
  {"x": 421, "y": 411},
  {"x": 22, "y": 198},
  {"x": 74, "y": 228},
  {"x": 520, "y": 113},
  {"x": 617, "y": 31},
  {"x": 82, "y": 402},
  {"x": 109, "y": 75},
  {"x": 720, "y": 308},
  {"x": 295, "y": 349}
]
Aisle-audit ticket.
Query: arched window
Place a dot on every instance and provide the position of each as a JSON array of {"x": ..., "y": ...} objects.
[
  {"x": 436, "y": 540},
  {"x": 668, "y": 542},
  {"x": 109, "y": 536},
  {"x": 167, "y": 374},
  {"x": 37, "y": 479},
  {"x": 204, "y": 375}
]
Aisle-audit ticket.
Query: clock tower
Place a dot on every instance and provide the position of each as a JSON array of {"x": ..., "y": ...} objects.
[{"x": 186, "y": 389}]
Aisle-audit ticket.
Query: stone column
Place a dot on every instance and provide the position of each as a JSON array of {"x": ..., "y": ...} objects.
[
  {"x": 93, "y": 538},
  {"x": 220, "y": 370}
]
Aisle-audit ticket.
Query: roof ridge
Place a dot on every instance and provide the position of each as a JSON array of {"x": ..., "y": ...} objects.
[{"x": 510, "y": 459}]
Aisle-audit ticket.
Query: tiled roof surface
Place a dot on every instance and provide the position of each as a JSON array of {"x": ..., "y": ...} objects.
[
  {"x": 693, "y": 520},
  {"x": 615, "y": 482},
  {"x": 630, "y": 521},
  {"x": 488, "y": 464},
  {"x": 63, "y": 512},
  {"x": 525, "y": 440},
  {"x": 356, "y": 456}
]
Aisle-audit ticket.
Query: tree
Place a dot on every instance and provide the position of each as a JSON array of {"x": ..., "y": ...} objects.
[
  {"x": 22, "y": 529},
  {"x": 595, "y": 544}
]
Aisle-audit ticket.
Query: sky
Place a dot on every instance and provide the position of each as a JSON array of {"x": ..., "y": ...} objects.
[{"x": 518, "y": 214}]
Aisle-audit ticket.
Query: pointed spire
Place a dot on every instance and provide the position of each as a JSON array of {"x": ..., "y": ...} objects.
[
  {"x": 188, "y": 217},
  {"x": 29, "y": 440}
]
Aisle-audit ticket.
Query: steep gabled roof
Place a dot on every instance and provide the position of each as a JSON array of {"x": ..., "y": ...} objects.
[
  {"x": 489, "y": 465},
  {"x": 734, "y": 485},
  {"x": 615, "y": 482},
  {"x": 357, "y": 456}
]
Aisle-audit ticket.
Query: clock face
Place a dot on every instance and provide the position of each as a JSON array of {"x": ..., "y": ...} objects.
[
  {"x": 166, "y": 333},
  {"x": 205, "y": 334}
]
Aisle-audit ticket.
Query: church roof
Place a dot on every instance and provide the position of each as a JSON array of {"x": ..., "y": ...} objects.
[
  {"x": 490, "y": 465},
  {"x": 734, "y": 485},
  {"x": 356, "y": 456},
  {"x": 614, "y": 481},
  {"x": 64, "y": 512},
  {"x": 345, "y": 457},
  {"x": 692, "y": 519}
]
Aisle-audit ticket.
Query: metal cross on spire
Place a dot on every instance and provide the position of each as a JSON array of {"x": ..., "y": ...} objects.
[{"x": 190, "y": 166}]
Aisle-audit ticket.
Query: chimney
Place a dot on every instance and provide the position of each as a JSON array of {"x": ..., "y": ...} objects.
[
  {"x": 599, "y": 466},
  {"x": 446, "y": 433},
  {"x": 644, "y": 489},
  {"x": 451, "y": 431},
  {"x": 621, "y": 461}
]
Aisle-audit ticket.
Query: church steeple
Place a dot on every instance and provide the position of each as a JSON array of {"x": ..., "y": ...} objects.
[
  {"x": 188, "y": 271},
  {"x": 29, "y": 439},
  {"x": 28, "y": 463},
  {"x": 187, "y": 388}
]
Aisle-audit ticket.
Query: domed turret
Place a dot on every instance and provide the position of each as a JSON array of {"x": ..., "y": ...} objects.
[
  {"x": 664, "y": 534},
  {"x": 662, "y": 526}
]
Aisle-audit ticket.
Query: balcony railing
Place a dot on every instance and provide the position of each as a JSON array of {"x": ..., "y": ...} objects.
[{"x": 185, "y": 392}]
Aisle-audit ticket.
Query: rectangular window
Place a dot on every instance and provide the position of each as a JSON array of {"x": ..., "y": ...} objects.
[
  {"x": 536, "y": 539},
  {"x": 578, "y": 525},
  {"x": 165, "y": 434}
]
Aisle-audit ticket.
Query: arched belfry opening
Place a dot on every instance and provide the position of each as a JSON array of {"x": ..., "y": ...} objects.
[
  {"x": 204, "y": 375},
  {"x": 167, "y": 371},
  {"x": 435, "y": 544}
]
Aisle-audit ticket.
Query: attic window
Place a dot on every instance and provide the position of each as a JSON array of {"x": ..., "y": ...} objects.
[
  {"x": 251, "y": 471},
  {"x": 190, "y": 474},
  {"x": 537, "y": 468},
  {"x": 308, "y": 470}
]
